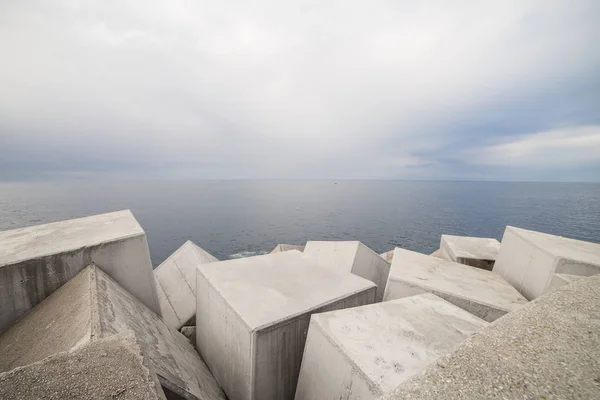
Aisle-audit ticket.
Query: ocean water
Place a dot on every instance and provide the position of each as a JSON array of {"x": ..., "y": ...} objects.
[{"x": 241, "y": 218}]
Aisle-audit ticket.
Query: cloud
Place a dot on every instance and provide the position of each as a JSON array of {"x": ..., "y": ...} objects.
[{"x": 298, "y": 89}]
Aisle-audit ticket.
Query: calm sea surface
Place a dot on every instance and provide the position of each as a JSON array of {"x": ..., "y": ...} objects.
[{"x": 240, "y": 218}]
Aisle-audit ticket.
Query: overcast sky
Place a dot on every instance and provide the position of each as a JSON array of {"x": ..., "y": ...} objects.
[{"x": 467, "y": 90}]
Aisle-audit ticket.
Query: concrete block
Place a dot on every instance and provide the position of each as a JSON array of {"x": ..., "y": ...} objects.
[
  {"x": 528, "y": 260},
  {"x": 547, "y": 349},
  {"x": 364, "y": 352},
  {"x": 108, "y": 368},
  {"x": 253, "y": 315},
  {"x": 37, "y": 260},
  {"x": 388, "y": 256},
  {"x": 190, "y": 333},
  {"x": 473, "y": 251},
  {"x": 480, "y": 292},
  {"x": 176, "y": 278},
  {"x": 93, "y": 306},
  {"x": 287, "y": 247},
  {"x": 559, "y": 280},
  {"x": 351, "y": 257}
]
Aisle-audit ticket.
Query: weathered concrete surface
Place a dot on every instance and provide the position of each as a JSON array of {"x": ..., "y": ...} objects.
[
  {"x": 176, "y": 278},
  {"x": 559, "y": 280},
  {"x": 351, "y": 257},
  {"x": 111, "y": 368},
  {"x": 528, "y": 259},
  {"x": 438, "y": 253},
  {"x": 253, "y": 315},
  {"x": 37, "y": 260},
  {"x": 364, "y": 352},
  {"x": 389, "y": 255},
  {"x": 474, "y": 251},
  {"x": 190, "y": 333},
  {"x": 480, "y": 292},
  {"x": 548, "y": 349},
  {"x": 93, "y": 306},
  {"x": 287, "y": 247}
]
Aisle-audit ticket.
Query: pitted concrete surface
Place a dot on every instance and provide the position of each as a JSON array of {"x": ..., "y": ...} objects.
[
  {"x": 478, "y": 291},
  {"x": 378, "y": 346},
  {"x": 548, "y": 349},
  {"x": 111, "y": 368},
  {"x": 176, "y": 280},
  {"x": 287, "y": 247}
]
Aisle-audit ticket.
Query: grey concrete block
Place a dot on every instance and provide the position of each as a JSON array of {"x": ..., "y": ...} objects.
[
  {"x": 37, "y": 260},
  {"x": 364, "y": 352},
  {"x": 559, "y": 280},
  {"x": 108, "y": 368},
  {"x": 528, "y": 259},
  {"x": 473, "y": 251},
  {"x": 93, "y": 306},
  {"x": 480, "y": 292},
  {"x": 287, "y": 247},
  {"x": 253, "y": 315},
  {"x": 548, "y": 349},
  {"x": 176, "y": 279},
  {"x": 351, "y": 257}
]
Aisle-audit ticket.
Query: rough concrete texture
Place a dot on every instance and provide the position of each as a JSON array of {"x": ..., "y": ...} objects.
[
  {"x": 389, "y": 255},
  {"x": 111, "y": 368},
  {"x": 528, "y": 259},
  {"x": 190, "y": 333},
  {"x": 93, "y": 306},
  {"x": 351, "y": 257},
  {"x": 287, "y": 247},
  {"x": 548, "y": 349},
  {"x": 473, "y": 251},
  {"x": 176, "y": 278},
  {"x": 364, "y": 352},
  {"x": 37, "y": 260},
  {"x": 480, "y": 292},
  {"x": 253, "y": 315},
  {"x": 559, "y": 280}
]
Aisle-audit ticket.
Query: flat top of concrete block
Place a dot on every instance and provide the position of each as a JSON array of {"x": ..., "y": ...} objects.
[
  {"x": 559, "y": 246},
  {"x": 108, "y": 368},
  {"x": 287, "y": 247},
  {"x": 393, "y": 340},
  {"x": 58, "y": 237},
  {"x": 472, "y": 247},
  {"x": 474, "y": 284},
  {"x": 264, "y": 290},
  {"x": 340, "y": 254},
  {"x": 547, "y": 349}
]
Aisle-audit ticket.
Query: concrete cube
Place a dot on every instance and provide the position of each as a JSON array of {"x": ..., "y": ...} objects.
[
  {"x": 480, "y": 292},
  {"x": 559, "y": 280},
  {"x": 37, "y": 260},
  {"x": 351, "y": 257},
  {"x": 253, "y": 314},
  {"x": 528, "y": 260},
  {"x": 108, "y": 368},
  {"x": 364, "y": 352},
  {"x": 93, "y": 306},
  {"x": 287, "y": 247},
  {"x": 473, "y": 251},
  {"x": 389, "y": 255},
  {"x": 176, "y": 279}
]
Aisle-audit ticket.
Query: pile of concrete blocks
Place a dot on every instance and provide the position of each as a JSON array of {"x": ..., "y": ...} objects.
[
  {"x": 176, "y": 284},
  {"x": 528, "y": 260},
  {"x": 350, "y": 257},
  {"x": 474, "y": 251},
  {"x": 37, "y": 260},
  {"x": 287, "y": 247},
  {"x": 253, "y": 314},
  {"x": 365, "y": 352},
  {"x": 480, "y": 292},
  {"x": 547, "y": 349}
]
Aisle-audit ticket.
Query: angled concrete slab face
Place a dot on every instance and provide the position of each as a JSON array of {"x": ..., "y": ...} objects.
[
  {"x": 548, "y": 349},
  {"x": 287, "y": 247},
  {"x": 528, "y": 259},
  {"x": 473, "y": 251},
  {"x": 559, "y": 280},
  {"x": 353, "y": 257},
  {"x": 108, "y": 368},
  {"x": 93, "y": 306},
  {"x": 253, "y": 315},
  {"x": 37, "y": 260},
  {"x": 364, "y": 352},
  {"x": 176, "y": 283},
  {"x": 388, "y": 256},
  {"x": 480, "y": 292}
]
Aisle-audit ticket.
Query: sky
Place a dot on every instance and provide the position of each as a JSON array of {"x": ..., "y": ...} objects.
[{"x": 432, "y": 90}]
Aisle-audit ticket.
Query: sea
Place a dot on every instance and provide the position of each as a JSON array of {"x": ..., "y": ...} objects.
[{"x": 241, "y": 218}]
